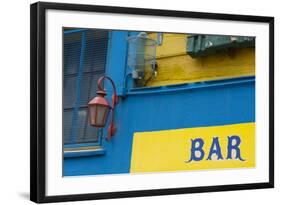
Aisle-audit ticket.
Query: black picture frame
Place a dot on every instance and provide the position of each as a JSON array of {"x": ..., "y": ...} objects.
[{"x": 38, "y": 100}]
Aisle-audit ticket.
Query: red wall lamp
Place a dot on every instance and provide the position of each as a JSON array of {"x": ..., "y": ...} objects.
[{"x": 99, "y": 108}]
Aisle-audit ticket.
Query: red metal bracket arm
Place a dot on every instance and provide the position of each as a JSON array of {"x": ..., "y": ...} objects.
[{"x": 112, "y": 127}]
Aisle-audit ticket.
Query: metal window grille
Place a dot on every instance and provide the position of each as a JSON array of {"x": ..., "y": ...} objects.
[{"x": 84, "y": 58}]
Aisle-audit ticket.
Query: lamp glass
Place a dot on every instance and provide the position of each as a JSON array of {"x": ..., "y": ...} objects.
[{"x": 98, "y": 115}]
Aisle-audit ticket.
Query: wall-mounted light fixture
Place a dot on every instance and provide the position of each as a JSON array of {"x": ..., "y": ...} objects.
[
  {"x": 142, "y": 58},
  {"x": 99, "y": 108}
]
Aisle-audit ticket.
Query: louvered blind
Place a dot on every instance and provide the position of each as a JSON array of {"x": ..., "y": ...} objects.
[{"x": 84, "y": 62}]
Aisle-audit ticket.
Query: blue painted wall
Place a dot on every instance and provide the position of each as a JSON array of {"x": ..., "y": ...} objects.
[{"x": 218, "y": 103}]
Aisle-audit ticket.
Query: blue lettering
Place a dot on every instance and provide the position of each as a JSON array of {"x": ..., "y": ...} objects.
[
  {"x": 234, "y": 146},
  {"x": 197, "y": 147},
  {"x": 215, "y": 149}
]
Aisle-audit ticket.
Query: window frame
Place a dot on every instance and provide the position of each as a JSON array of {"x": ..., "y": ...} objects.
[{"x": 87, "y": 148}]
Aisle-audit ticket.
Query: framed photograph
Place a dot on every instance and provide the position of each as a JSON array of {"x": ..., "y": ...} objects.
[{"x": 129, "y": 102}]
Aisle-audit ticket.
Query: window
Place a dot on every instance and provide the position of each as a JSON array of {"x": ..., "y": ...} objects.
[
  {"x": 188, "y": 58},
  {"x": 84, "y": 58},
  {"x": 202, "y": 45}
]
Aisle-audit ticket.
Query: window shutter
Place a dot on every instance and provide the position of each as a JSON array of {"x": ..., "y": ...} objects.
[{"x": 84, "y": 62}]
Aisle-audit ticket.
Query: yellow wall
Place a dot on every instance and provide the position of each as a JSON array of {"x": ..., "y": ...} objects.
[
  {"x": 170, "y": 150},
  {"x": 175, "y": 66}
]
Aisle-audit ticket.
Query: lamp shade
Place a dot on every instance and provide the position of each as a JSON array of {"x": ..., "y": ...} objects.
[{"x": 98, "y": 111}]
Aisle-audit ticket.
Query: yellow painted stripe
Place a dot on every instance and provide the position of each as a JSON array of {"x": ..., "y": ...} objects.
[
  {"x": 169, "y": 150},
  {"x": 175, "y": 66}
]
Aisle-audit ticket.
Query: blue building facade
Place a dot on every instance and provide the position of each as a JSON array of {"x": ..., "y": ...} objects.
[{"x": 187, "y": 105}]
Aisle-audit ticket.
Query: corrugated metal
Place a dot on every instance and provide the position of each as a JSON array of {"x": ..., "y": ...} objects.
[{"x": 81, "y": 73}]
